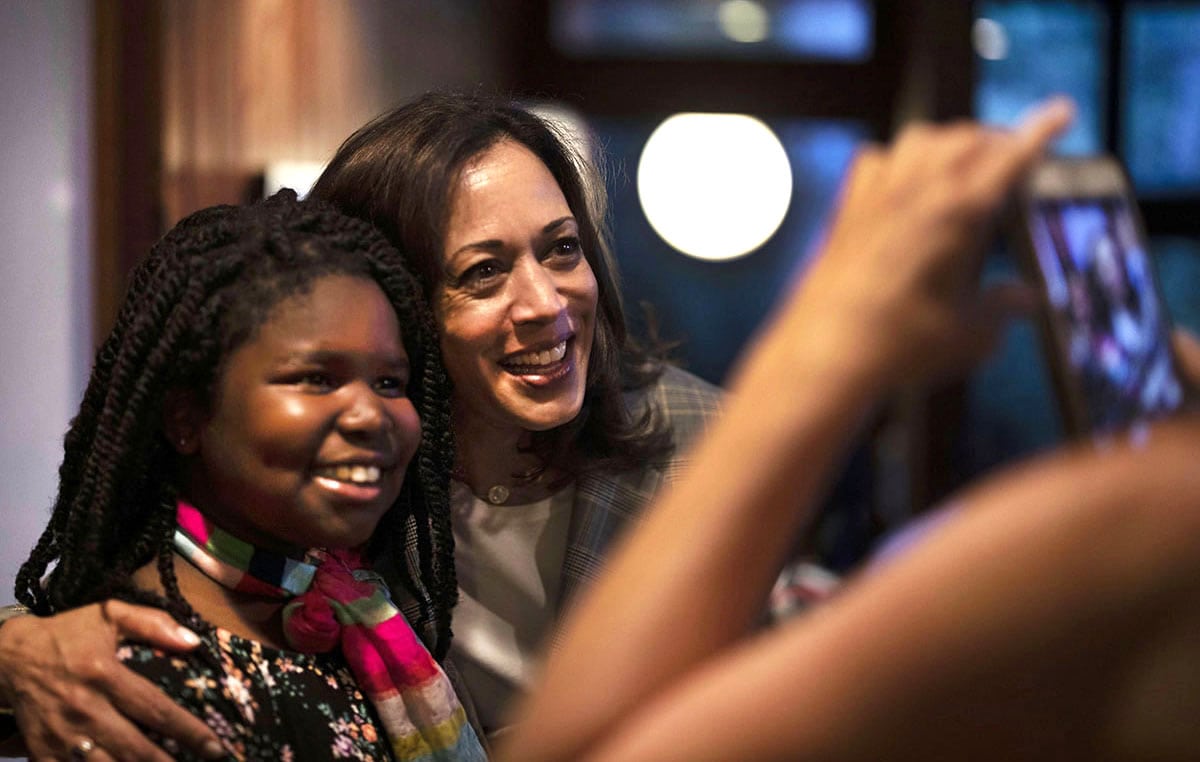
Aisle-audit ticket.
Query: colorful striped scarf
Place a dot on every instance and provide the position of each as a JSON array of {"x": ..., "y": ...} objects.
[{"x": 336, "y": 600}]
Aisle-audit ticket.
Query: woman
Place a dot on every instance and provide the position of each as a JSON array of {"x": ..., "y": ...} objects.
[
  {"x": 565, "y": 429},
  {"x": 1054, "y": 616},
  {"x": 258, "y": 399}
]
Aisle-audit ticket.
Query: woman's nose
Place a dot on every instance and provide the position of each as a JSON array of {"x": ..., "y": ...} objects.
[{"x": 536, "y": 297}]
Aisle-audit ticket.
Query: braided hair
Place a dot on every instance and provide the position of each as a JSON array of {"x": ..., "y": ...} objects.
[{"x": 205, "y": 289}]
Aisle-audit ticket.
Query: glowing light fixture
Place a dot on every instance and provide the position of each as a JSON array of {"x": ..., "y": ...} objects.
[
  {"x": 990, "y": 39},
  {"x": 714, "y": 186},
  {"x": 743, "y": 20}
]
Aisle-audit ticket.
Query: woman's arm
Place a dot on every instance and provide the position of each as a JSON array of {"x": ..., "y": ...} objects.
[
  {"x": 891, "y": 299},
  {"x": 1187, "y": 354},
  {"x": 61, "y": 676},
  {"x": 1053, "y": 617}
]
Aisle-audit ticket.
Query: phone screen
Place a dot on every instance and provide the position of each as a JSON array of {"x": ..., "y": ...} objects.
[{"x": 1105, "y": 311}]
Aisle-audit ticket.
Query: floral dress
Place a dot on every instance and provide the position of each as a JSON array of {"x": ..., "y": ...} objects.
[{"x": 266, "y": 703}]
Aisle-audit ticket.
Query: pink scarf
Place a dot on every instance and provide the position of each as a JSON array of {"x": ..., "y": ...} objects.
[{"x": 337, "y": 600}]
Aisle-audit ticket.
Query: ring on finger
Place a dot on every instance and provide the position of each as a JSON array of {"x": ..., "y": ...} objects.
[{"x": 82, "y": 749}]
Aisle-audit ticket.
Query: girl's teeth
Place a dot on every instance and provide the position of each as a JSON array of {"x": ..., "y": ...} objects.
[
  {"x": 353, "y": 474},
  {"x": 544, "y": 357}
]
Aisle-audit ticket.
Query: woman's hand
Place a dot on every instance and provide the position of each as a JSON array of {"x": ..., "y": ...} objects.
[
  {"x": 61, "y": 676},
  {"x": 885, "y": 303},
  {"x": 894, "y": 293},
  {"x": 1187, "y": 355}
]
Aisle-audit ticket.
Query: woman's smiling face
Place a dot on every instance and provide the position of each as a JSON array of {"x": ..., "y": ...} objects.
[
  {"x": 517, "y": 305},
  {"x": 310, "y": 429}
]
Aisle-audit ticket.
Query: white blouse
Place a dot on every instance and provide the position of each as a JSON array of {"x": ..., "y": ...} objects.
[{"x": 508, "y": 559}]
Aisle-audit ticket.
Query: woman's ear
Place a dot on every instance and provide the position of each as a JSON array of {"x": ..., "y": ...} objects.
[{"x": 182, "y": 420}]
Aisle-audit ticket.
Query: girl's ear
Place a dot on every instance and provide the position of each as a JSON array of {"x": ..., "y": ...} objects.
[{"x": 182, "y": 420}]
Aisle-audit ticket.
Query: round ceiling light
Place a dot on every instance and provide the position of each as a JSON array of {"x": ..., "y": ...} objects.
[{"x": 714, "y": 186}]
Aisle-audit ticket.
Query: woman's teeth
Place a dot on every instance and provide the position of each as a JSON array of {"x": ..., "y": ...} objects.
[
  {"x": 545, "y": 357},
  {"x": 351, "y": 474}
]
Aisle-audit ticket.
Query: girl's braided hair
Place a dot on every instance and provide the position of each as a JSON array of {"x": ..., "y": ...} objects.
[{"x": 203, "y": 291}]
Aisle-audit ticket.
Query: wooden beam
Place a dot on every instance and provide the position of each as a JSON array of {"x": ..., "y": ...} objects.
[{"x": 128, "y": 119}]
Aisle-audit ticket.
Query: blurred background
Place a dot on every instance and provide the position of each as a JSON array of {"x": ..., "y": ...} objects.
[{"x": 724, "y": 127}]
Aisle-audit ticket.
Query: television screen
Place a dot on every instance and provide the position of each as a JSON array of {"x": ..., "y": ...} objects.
[
  {"x": 835, "y": 30},
  {"x": 1160, "y": 98},
  {"x": 1029, "y": 50}
]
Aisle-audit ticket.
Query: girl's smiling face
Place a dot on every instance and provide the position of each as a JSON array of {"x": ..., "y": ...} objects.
[{"x": 307, "y": 438}]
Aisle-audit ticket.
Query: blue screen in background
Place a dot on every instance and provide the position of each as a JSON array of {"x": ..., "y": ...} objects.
[
  {"x": 1160, "y": 98},
  {"x": 1039, "y": 47},
  {"x": 1028, "y": 51},
  {"x": 832, "y": 30}
]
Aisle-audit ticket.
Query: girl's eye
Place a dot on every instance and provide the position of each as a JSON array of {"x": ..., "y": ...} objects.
[
  {"x": 391, "y": 386},
  {"x": 314, "y": 380}
]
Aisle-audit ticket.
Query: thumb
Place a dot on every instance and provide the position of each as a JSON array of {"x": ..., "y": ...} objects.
[
  {"x": 1187, "y": 355},
  {"x": 996, "y": 307}
]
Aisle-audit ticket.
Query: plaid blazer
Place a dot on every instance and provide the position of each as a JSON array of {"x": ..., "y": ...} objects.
[{"x": 605, "y": 502}]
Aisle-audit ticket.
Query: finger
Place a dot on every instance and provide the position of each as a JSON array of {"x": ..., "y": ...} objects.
[
  {"x": 999, "y": 305},
  {"x": 99, "y": 754},
  {"x": 861, "y": 182},
  {"x": 56, "y": 741},
  {"x": 148, "y": 625},
  {"x": 1187, "y": 354},
  {"x": 864, "y": 172},
  {"x": 145, "y": 703},
  {"x": 1031, "y": 140},
  {"x": 1010, "y": 154},
  {"x": 983, "y": 324},
  {"x": 954, "y": 147},
  {"x": 96, "y": 719},
  {"x": 111, "y": 735},
  {"x": 1044, "y": 124},
  {"x": 84, "y": 714},
  {"x": 912, "y": 148},
  {"x": 860, "y": 177},
  {"x": 86, "y": 748}
]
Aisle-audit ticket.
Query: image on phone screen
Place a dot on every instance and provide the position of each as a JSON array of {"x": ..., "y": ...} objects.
[{"x": 1105, "y": 310}]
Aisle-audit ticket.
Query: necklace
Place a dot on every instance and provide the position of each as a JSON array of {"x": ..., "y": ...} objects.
[{"x": 498, "y": 494}]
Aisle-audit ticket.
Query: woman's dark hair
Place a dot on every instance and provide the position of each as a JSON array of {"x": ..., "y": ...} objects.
[
  {"x": 399, "y": 172},
  {"x": 204, "y": 290}
]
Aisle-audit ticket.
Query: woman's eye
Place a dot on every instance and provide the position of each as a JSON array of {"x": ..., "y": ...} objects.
[
  {"x": 480, "y": 274},
  {"x": 568, "y": 247},
  {"x": 391, "y": 386}
]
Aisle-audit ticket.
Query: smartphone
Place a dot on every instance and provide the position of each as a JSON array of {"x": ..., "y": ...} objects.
[{"x": 1104, "y": 325}]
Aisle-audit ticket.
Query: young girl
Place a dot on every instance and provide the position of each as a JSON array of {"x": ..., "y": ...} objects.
[{"x": 269, "y": 411}]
